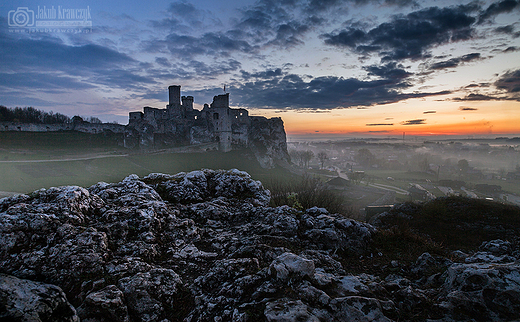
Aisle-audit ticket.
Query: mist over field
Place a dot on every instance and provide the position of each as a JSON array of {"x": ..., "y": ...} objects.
[
  {"x": 382, "y": 171},
  {"x": 375, "y": 171}
]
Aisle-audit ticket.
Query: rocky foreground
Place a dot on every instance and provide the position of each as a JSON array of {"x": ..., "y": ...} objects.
[{"x": 205, "y": 246}]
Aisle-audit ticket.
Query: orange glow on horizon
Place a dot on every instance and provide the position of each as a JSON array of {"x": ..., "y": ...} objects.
[{"x": 414, "y": 117}]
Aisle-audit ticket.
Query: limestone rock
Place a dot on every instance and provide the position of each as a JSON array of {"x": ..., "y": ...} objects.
[
  {"x": 202, "y": 185},
  {"x": 105, "y": 305},
  {"x": 23, "y": 300},
  {"x": 287, "y": 310},
  {"x": 483, "y": 291},
  {"x": 290, "y": 264},
  {"x": 205, "y": 246}
]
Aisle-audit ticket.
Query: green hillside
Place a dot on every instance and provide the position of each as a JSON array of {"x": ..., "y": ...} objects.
[{"x": 30, "y": 161}]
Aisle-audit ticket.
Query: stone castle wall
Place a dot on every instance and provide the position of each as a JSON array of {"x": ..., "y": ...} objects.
[{"x": 180, "y": 124}]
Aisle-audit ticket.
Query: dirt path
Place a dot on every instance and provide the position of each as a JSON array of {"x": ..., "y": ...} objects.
[
  {"x": 378, "y": 185},
  {"x": 69, "y": 159},
  {"x": 183, "y": 149},
  {"x": 388, "y": 187}
]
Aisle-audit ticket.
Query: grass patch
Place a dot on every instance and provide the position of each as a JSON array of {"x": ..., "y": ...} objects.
[
  {"x": 59, "y": 140},
  {"x": 25, "y": 175},
  {"x": 459, "y": 222},
  {"x": 307, "y": 192},
  {"x": 403, "y": 244}
]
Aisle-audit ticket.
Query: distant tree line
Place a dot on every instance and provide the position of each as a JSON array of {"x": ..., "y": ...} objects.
[{"x": 31, "y": 115}]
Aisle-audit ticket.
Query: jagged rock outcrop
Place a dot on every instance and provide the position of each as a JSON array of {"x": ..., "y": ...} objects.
[
  {"x": 268, "y": 141},
  {"x": 205, "y": 246},
  {"x": 24, "y": 300}
]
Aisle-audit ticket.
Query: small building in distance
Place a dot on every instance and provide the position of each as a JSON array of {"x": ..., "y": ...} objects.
[
  {"x": 419, "y": 193},
  {"x": 179, "y": 124}
]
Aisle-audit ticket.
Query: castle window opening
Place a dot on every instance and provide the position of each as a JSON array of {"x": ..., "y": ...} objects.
[{"x": 215, "y": 116}]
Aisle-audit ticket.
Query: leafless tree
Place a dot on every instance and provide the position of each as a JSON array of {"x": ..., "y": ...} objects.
[{"x": 322, "y": 157}]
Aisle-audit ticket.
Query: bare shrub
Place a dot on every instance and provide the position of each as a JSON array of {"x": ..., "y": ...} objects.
[{"x": 306, "y": 193}]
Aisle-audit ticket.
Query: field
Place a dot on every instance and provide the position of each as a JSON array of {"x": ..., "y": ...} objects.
[{"x": 30, "y": 161}]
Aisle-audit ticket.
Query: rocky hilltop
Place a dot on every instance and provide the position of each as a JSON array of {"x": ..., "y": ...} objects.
[{"x": 205, "y": 246}]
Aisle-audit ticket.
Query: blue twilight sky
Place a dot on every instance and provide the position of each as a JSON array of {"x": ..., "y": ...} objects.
[{"x": 296, "y": 57}]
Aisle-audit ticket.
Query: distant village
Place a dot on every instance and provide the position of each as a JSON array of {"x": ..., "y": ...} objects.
[{"x": 376, "y": 173}]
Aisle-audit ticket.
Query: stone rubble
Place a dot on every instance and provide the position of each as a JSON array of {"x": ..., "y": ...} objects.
[{"x": 205, "y": 246}]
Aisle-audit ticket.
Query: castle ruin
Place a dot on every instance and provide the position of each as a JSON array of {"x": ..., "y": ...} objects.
[{"x": 179, "y": 124}]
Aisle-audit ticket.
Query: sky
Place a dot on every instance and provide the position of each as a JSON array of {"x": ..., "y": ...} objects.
[{"x": 328, "y": 68}]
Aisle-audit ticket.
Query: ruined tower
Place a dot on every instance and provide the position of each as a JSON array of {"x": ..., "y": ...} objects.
[
  {"x": 174, "y": 95},
  {"x": 222, "y": 121},
  {"x": 187, "y": 103}
]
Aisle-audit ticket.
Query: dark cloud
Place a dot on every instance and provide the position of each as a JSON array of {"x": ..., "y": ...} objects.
[
  {"x": 126, "y": 79},
  {"x": 184, "y": 9},
  {"x": 464, "y": 108},
  {"x": 388, "y": 71},
  {"x": 267, "y": 23},
  {"x": 163, "y": 61},
  {"x": 209, "y": 44},
  {"x": 52, "y": 54},
  {"x": 273, "y": 23},
  {"x": 379, "y": 124},
  {"x": 454, "y": 62},
  {"x": 498, "y": 8},
  {"x": 510, "y": 81},
  {"x": 46, "y": 63},
  {"x": 477, "y": 97},
  {"x": 328, "y": 5},
  {"x": 429, "y": 112},
  {"x": 414, "y": 122},
  {"x": 281, "y": 24},
  {"x": 507, "y": 85},
  {"x": 510, "y": 49},
  {"x": 477, "y": 85},
  {"x": 268, "y": 74},
  {"x": 505, "y": 29},
  {"x": 409, "y": 36},
  {"x": 190, "y": 70},
  {"x": 323, "y": 5},
  {"x": 278, "y": 89},
  {"x": 288, "y": 35},
  {"x": 184, "y": 16},
  {"x": 350, "y": 37},
  {"x": 44, "y": 82},
  {"x": 205, "y": 70}
]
